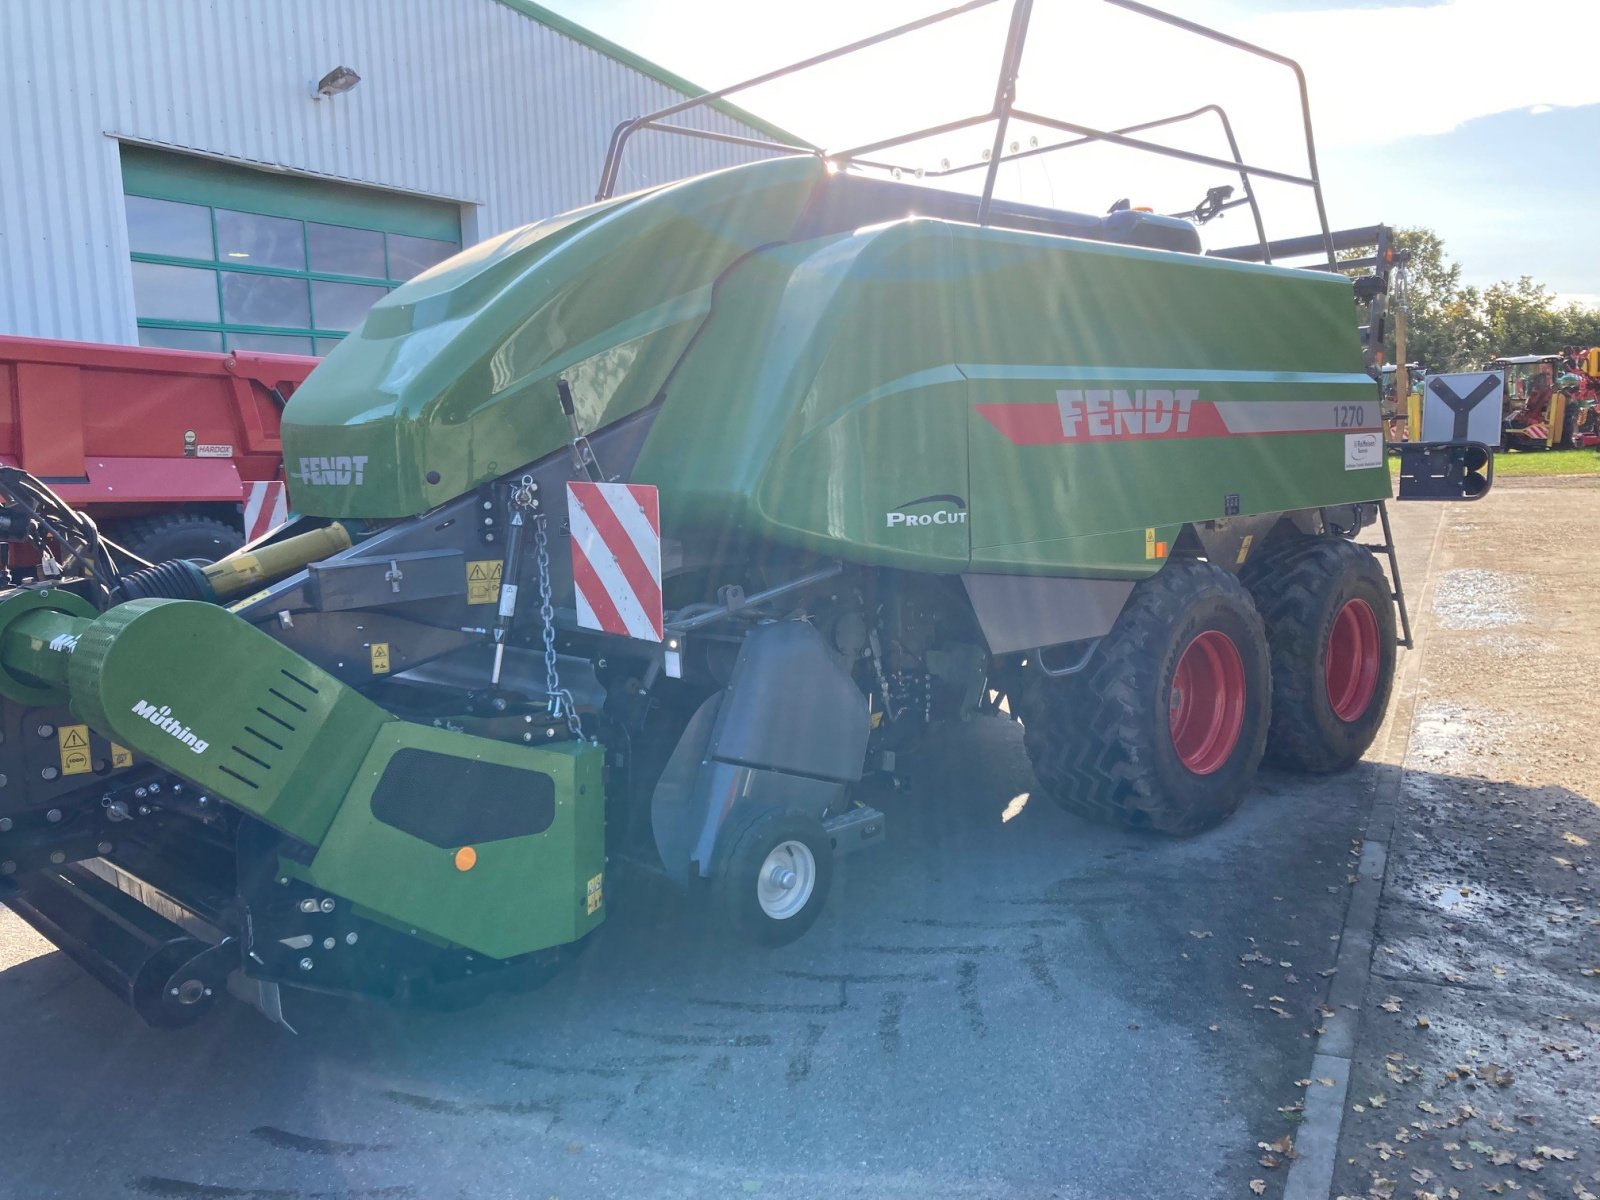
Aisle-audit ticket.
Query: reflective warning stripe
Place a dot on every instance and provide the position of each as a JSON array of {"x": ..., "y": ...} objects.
[
  {"x": 616, "y": 558},
  {"x": 265, "y": 508}
]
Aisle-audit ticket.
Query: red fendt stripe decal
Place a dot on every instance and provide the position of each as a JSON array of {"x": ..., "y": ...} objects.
[{"x": 1081, "y": 416}]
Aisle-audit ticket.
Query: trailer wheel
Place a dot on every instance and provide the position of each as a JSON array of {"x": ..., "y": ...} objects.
[
  {"x": 1330, "y": 626},
  {"x": 192, "y": 536},
  {"x": 1164, "y": 728},
  {"x": 774, "y": 881}
]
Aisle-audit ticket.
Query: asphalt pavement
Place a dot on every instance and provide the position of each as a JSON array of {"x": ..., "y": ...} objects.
[{"x": 1001, "y": 1001}]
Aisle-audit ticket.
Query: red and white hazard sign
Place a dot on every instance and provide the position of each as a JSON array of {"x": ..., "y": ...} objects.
[
  {"x": 265, "y": 508},
  {"x": 616, "y": 557}
]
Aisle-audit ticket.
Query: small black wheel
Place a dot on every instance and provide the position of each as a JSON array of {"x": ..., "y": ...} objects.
[
  {"x": 774, "y": 879},
  {"x": 1330, "y": 625},
  {"x": 192, "y": 536},
  {"x": 1163, "y": 728}
]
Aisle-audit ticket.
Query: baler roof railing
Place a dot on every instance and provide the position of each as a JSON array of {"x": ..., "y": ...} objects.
[{"x": 1003, "y": 111}]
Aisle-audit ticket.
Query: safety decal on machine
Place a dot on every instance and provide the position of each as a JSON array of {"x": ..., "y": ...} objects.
[
  {"x": 121, "y": 756},
  {"x": 265, "y": 508},
  {"x": 483, "y": 580},
  {"x": 595, "y": 896},
  {"x": 73, "y": 741},
  {"x": 380, "y": 658},
  {"x": 616, "y": 558}
]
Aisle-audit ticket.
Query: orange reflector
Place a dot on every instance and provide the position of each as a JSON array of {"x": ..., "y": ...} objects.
[
  {"x": 1161, "y": 549},
  {"x": 466, "y": 858}
]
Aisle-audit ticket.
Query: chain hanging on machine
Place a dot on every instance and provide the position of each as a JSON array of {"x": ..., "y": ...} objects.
[
  {"x": 1400, "y": 290},
  {"x": 561, "y": 702}
]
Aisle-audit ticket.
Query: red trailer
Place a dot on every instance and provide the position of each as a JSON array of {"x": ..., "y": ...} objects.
[{"x": 175, "y": 453}]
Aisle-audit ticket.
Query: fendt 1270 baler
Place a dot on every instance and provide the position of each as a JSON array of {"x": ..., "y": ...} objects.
[{"x": 683, "y": 513}]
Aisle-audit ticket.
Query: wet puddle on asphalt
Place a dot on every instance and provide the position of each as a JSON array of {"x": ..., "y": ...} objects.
[{"x": 1476, "y": 598}]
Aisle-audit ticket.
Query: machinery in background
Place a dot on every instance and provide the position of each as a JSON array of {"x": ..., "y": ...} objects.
[{"x": 174, "y": 453}]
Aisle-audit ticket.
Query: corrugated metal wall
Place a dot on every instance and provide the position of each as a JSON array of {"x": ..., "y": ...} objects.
[{"x": 463, "y": 99}]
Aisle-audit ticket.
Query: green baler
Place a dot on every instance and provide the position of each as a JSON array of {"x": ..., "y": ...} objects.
[{"x": 666, "y": 522}]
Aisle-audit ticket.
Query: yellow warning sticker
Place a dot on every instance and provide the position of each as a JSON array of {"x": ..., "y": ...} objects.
[
  {"x": 380, "y": 658},
  {"x": 483, "y": 581},
  {"x": 1244, "y": 549},
  {"x": 595, "y": 894},
  {"x": 1149, "y": 543},
  {"x": 74, "y": 743},
  {"x": 121, "y": 756}
]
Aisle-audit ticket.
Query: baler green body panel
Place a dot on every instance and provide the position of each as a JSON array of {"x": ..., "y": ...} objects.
[
  {"x": 519, "y": 894},
  {"x": 452, "y": 376},
  {"x": 921, "y": 394}
]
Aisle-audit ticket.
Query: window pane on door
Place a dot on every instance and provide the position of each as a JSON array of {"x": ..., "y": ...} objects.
[
  {"x": 253, "y": 240},
  {"x": 342, "y": 305},
  {"x": 181, "y": 339},
  {"x": 340, "y": 250},
  {"x": 410, "y": 256},
  {"x": 264, "y": 300},
  {"x": 271, "y": 343},
  {"x": 168, "y": 228},
  {"x": 164, "y": 293}
]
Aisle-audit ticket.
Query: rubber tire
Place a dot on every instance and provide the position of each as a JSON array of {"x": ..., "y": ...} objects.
[
  {"x": 1299, "y": 589},
  {"x": 733, "y": 888},
  {"x": 1101, "y": 741},
  {"x": 176, "y": 535}
]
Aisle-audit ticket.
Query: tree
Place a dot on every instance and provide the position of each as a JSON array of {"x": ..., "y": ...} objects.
[{"x": 1452, "y": 327}]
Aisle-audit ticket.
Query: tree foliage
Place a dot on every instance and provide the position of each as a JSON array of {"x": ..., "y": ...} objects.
[{"x": 1455, "y": 327}]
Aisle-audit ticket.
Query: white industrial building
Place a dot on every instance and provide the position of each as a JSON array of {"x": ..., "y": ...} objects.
[{"x": 170, "y": 174}]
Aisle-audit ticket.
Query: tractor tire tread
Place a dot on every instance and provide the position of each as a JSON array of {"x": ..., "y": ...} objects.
[
  {"x": 1286, "y": 584},
  {"x": 1089, "y": 735}
]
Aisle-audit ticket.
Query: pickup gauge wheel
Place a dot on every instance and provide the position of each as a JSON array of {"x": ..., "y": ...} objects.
[{"x": 774, "y": 880}]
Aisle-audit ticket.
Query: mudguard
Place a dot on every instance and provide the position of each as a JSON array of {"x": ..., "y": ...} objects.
[{"x": 789, "y": 731}]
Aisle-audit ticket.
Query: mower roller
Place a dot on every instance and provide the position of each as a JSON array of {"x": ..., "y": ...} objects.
[{"x": 653, "y": 529}]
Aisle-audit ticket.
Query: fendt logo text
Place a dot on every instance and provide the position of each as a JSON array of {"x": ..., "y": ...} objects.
[
  {"x": 342, "y": 469},
  {"x": 1115, "y": 412}
]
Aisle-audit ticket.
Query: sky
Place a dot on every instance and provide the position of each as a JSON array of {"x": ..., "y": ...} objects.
[{"x": 1477, "y": 118}]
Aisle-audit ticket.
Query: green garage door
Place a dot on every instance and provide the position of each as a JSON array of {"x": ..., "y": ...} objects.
[{"x": 226, "y": 258}]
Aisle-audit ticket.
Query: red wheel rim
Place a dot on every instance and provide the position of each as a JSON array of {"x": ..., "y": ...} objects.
[
  {"x": 1206, "y": 706},
  {"x": 1350, "y": 667}
]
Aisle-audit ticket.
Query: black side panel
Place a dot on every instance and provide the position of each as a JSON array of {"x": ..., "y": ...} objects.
[
  {"x": 1024, "y": 612},
  {"x": 449, "y": 801},
  {"x": 791, "y": 706}
]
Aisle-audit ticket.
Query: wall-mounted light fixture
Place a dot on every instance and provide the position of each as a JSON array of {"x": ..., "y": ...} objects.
[{"x": 334, "y": 83}]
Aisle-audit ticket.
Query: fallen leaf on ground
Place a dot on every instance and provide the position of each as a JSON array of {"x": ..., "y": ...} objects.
[
  {"x": 1502, "y": 1158},
  {"x": 1326, "y": 1080},
  {"x": 1530, "y": 1164},
  {"x": 1555, "y": 1152},
  {"x": 1573, "y": 839},
  {"x": 1377, "y": 1101},
  {"x": 1480, "y": 1147},
  {"x": 1422, "y": 1022},
  {"x": 1427, "y": 1106},
  {"x": 1258, "y": 1186},
  {"x": 1200, "y": 933},
  {"x": 1392, "y": 1004}
]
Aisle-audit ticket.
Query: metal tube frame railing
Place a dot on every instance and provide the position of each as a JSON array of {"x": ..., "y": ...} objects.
[{"x": 1003, "y": 112}]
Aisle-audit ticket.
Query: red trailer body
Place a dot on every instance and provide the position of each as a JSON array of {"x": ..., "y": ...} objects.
[{"x": 171, "y": 449}]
